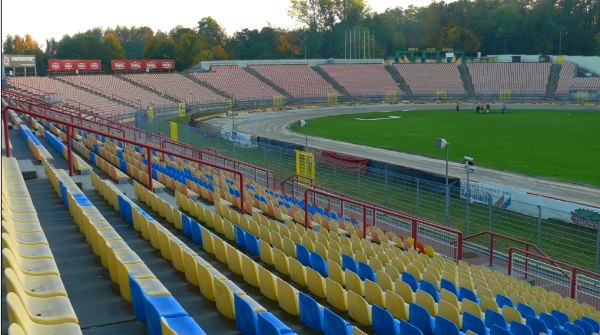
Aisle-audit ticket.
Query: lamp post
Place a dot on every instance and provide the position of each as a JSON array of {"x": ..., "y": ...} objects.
[
  {"x": 441, "y": 143},
  {"x": 560, "y": 42},
  {"x": 304, "y": 124},
  {"x": 233, "y": 133},
  {"x": 468, "y": 169}
]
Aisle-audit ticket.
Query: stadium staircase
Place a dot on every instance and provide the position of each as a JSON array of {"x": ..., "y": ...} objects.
[
  {"x": 465, "y": 75},
  {"x": 147, "y": 88},
  {"x": 204, "y": 84},
  {"x": 553, "y": 80},
  {"x": 331, "y": 81},
  {"x": 94, "y": 92},
  {"x": 393, "y": 71},
  {"x": 267, "y": 81}
]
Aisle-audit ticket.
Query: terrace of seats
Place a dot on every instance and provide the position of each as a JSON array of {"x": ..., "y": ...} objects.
[
  {"x": 370, "y": 282},
  {"x": 518, "y": 78},
  {"x": 177, "y": 86},
  {"x": 65, "y": 91},
  {"x": 586, "y": 83},
  {"x": 116, "y": 88},
  {"x": 431, "y": 78},
  {"x": 363, "y": 79},
  {"x": 567, "y": 72},
  {"x": 236, "y": 82},
  {"x": 297, "y": 80}
]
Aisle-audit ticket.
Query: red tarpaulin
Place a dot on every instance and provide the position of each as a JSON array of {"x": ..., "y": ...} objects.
[
  {"x": 344, "y": 162},
  {"x": 72, "y": 65},
  {"x": 142, "y": 64}
]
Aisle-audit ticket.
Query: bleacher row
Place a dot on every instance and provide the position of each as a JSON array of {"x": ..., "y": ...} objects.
[
  {"x": 376, "y": 282},
  {"x": 114, "y": 94}
]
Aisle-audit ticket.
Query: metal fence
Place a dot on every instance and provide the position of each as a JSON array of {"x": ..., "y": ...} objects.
[{"x": 423, "y": 198}]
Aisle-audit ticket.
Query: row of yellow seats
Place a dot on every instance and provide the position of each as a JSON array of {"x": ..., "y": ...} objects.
[
  {"x": 104, "y": 165},
  {"x": 37, "y": 299}
]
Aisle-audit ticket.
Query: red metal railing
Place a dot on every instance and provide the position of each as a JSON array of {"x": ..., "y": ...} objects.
[
  {"x": 162, "y": 141},
  {"x": 420, "y": 229},
  {"x": 70, "y": 125},
  {"x": 581, "y": 284},
  {"x": 493, "y": 236}
]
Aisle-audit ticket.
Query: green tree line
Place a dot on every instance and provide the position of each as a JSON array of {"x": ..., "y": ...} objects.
[{"x": 489, "y": 26}]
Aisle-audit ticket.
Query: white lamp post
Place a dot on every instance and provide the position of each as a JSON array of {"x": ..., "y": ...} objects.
[
  {"x": 304, "y": 124},
  {"x": 233, "y": 133},
  {"x": 441, "y": 143},
  {"x": 468, "y": 169}
]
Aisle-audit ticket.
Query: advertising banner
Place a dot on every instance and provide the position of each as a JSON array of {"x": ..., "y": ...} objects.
[
  {"x": 73, "y": 65},
  {"x": 142, "y": 64},
  {"x": 18, "y": 60},
  {"x": 532, "y": 204}
]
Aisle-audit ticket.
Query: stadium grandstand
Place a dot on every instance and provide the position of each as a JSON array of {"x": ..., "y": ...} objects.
[{"x": 111, "y": 228}]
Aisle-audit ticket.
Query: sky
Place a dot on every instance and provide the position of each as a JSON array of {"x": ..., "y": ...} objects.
[{"x": 44, "y": 19}]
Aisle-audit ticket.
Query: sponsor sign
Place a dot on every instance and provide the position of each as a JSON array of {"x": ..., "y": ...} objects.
[
  {"x": 18, "y": 60},
  {"x": 142, "y": 64},
  {"x": 72, "y": 65},
  {"x": 532, "y": 204}
]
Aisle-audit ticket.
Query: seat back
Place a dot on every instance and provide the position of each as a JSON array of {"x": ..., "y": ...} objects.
[
  {"x": 335, "y": 325},
  {"x": 497, "y": 330},
  {"x": 494, "y": 318},
  {"x": 426, "y": 300},
  {"x": 288, "y": 297},
  {"x": 519, "y": 328},
  {"x": 374, "y": 293},
  {"x": 410, "y": 280},
  {"x": 336, "y": 295},
  {"x": 449, "y": 312},
  {"x": 465, "y": 293},
  {"x": 336, "y": 273},
  {"x": 396, "y": 305},
  {"x": 595, "y": 325},
  {"x": 525, "y": 310},
  {"x": 550, "y": 320},
  {"x": 404, "y": 290},
  {"x": 430, "y": 288},
  {"x": 302, "y": 254},
  {"x": 383, "y": 322},
  {"x": 366, "y": 272},
  {"x": 537, "y": 326},
  {"x": 358, "y": 309},
  {"x": 246, "y": 314},
  {"x": 317, "y": 262},
  {"x": 420, "y": 318},
  {"x": 511, "y": 314},
  {"x": 353, "y": 282},
  {"x": 473, "y": 323},
  {"x": 269, "y": 324},
  {"x": 311, "y": 312},
  {"x": 448, "y": 285},
  {"x": 502, "y": 300},
  {"x": 471, "y": 307},
  {"x": 574, "y": 329},
  {"x": 444, "y": 326},
  {"x": 349, "y": 263},
  {"x": 409, "y": 329},
  {"x": 560, "y": 316},
  {"x": 297, "y": 271}
]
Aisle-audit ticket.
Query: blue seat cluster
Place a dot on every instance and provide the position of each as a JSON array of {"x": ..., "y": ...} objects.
[
  {"x": 246, "y": 240},
  {"x": 252, "y": 322}
]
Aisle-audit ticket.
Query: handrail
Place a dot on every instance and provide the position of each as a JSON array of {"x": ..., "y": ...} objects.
[
  {"x": 148, "y": 147},
  {"x": 162, "y": 140},
  {"x": 574, "y": 269},
  {"x": 294, "y": 180},
  {"x": 494, "y": 234},
  {"x": 414, "y": 220}
]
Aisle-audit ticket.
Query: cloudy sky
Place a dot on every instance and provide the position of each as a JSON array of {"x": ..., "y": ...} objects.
[{"x": 44, "y": 19}]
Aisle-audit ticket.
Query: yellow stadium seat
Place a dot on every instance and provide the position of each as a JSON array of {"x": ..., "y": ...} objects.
[
  {"x": 268, "y": 284},
  {"x": 250, "y": 271},
  {"x": 35, "y": 286},
  {"x": 18, "y": 316},
  {"x": 297, "y": 271},
  {"x": 392, "y": 271},
  {"x": 488, "y": 303},
  {"x": 336, "y": 273},
  {"x": 385, "y": 281},
  {"x": 288, "y": 298},
  {"x": 426, "y": 300},
  {"x": 266, "y": 252},
  {"x": 471, "y": 307},
  {"x": 354, "y": 283},
  {"x": 35, "y": 251},
  {"x": 220, "y": 249},
  {"x": 34, "y": 267},
  {"x": 396, "y": 305},
  {"x": 265, "y": 234},
  {"x": 281, "y": 262},
  {"x": 538, "y": 307},
  {"x": 289, "y": 247},
  {"x": 206, "y": 279},
  {"x": 316, "y": 283},
  {"x": 374, "y": 293},
  {"x": 376, "y": 264},
  {"x": 450, "y": 312},
  {"x": 224, "y": 291},
  {"x": 404, "y": 290},
  {"x": 207, "y": 241},
  {"x": 511, "y": 314},
  {"x": 234, "y": 259},
  {"x": 336, "y": 295},
  {"x": 358, "y": 309}
]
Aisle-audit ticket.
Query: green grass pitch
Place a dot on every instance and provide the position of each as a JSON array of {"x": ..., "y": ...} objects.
[{"x": 550, "y": 143}]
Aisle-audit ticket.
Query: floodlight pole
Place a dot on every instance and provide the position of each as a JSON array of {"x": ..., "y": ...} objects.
[
  {"x": 233, "y": 134},
  {"x": 447, "y": 213},
  {"x": 468, "y": 169},
  {"x": 306, "y": 137}
]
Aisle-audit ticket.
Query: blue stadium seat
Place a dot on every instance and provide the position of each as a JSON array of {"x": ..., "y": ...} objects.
[
  {"x": 187, "y": 227},
  {"x": 593, "y": 323},
  {"x": 502, "y": 300},
  {"x": 562, "y": 317},
  {"x": 252, "y": 244},
  {"x": 474, "y": 324},
  {"x": 318, "y": 264},
  {"x": 587, "y": 328},
  {"x": 497, "y": 330},
  {"x": 240, "y": 236},
  {"x": 184, "y": 325},
  {"x": 383, "y": 322},
  {"x": 560, "y": 331},
  {"x": 137, "y": 298},
  {"x": 525, "y": 310},
  {"x": 366, "y": 272},
  {"x": 573, "y": 329},
  {"x": 550, "y": 320},
  {"x": 335, "y": 325},
  {"x": 410, "y": 280},
  {"x": 420, "y": 318},
  {"x": 536, "y": 325},
  {"x": 311, "y": 313},
  {"x": 431, "y": 289},
  {"x": 269, "y": 324},
  {"x": 448, "y": 285},
  {"x": 444, "y": 326},
  {"x": 349, "y": 263},
  {"x": 517, "y": 328},
  {"x": 162, "y": 306},
  {"x": 495, "y": 318},
  {"x": 465, "y": 293},
  {"x": 246, "y": 319},
  {"x": 302, "y": 254},
  {"x": 408, "y": 329}
]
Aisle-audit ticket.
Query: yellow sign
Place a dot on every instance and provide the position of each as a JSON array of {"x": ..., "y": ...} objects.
[
  {"x": 174, "y": 131},
  {"x": 151, "y": 113},
  {"x": 305, "y": 167},
  {"x": 505, "y": 95},
  {"x": 560, "y": 59},
  {"x": 182, "y": 109}
]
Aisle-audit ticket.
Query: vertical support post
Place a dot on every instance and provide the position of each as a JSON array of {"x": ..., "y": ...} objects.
[
  {"x": 468, "y": 201},
  {"x": 358, "y": 183},
  {"x": 492, "y": 250},
  {"x": 364, "y": 222},
  {"x": 150, "y": 187},
  {"x": 5, "y": 126},
  {"x": 526, "y": 260},
  {"x": 342, "y": 207},
  {"x": 385, "y": 189},
  {"x": 334, "y": 173},
  {"x": 242, "y": 197},
  {"x": 447, "y": 209},
  {"x": 490, "y": 208},
  {"x": 597, "y": 249},
  {"x": 414, "y": 231},
  {"x": 306, "y": 209},
  {"x": 418, "y": 196},
  {"x": 510, "y": 256},
  {"x": 574, "y": 283},
  {"x": 539, "y": 226},
  {"x": 69, "y": 151}
]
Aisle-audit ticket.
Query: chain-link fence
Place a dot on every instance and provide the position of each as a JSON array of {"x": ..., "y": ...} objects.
[{"x": 420, "y": 196}]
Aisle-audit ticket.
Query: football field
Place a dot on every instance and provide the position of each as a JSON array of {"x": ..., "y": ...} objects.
[{"x": 550, "y": 143}]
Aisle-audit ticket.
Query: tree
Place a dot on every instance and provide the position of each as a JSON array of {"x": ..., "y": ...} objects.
[
  {"x": 159, "y": 46},
  {"x": 211, "y": 31},
  {"x": 133, "y": 40},
  {"x": 111, "y": 49},
  {"x": 9, "y": 45}
]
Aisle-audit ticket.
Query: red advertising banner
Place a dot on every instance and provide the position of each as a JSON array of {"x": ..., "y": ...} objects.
[
  {"x": 142, "y": 64},
  {"x": 72, "y": 65}
]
